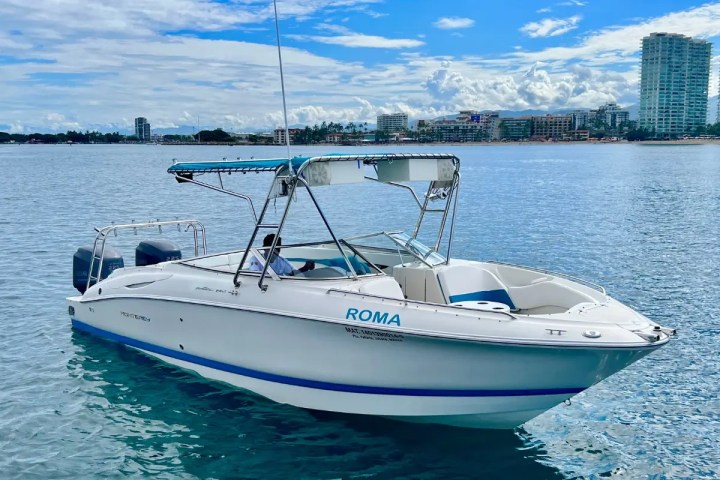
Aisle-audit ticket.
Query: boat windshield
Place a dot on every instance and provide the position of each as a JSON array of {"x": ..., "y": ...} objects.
[
  {"x": 418, "y": 249},
  {"x": 401, "y": 243},
  {"x": 315, "y": 260}
]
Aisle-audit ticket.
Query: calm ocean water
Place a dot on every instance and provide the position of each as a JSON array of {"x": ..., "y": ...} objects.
[{"x": 644, "y": 221}]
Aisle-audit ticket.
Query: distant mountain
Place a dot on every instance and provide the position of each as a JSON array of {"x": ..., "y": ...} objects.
[{"x": 527, "y": 113}]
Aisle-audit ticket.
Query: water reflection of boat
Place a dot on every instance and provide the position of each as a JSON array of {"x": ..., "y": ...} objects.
[{"x": 384, "y": 325}]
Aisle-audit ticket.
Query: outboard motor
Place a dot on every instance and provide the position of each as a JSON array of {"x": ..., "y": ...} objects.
[
  {"x": 152, "y": 252},
  {"x": 81, "y": 265}
]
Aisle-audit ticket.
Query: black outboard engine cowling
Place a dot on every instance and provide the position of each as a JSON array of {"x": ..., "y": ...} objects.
[
  {"x": 81, "y": 265},
  {"x": 152, "y": 252}
]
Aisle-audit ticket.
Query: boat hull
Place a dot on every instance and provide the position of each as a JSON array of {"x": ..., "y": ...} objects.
[{"x": 335, "y": 367}]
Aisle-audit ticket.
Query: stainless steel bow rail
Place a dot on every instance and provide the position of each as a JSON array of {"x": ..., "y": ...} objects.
[{"x": 98, "y": 253}]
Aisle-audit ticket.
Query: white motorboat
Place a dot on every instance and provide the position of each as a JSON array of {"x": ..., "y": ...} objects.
[{"x": 383, "y": 325}]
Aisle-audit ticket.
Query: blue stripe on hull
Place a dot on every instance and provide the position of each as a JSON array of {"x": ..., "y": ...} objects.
[{"x": 301, "y": 382}]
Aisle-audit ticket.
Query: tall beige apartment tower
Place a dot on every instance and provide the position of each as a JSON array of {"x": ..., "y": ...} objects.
[{"x": 674, "y": 84}]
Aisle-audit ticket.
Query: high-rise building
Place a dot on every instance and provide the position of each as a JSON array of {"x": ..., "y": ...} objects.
[
  {"x": 142, "y": 129},
  {"x": 393, "y": 122},
  {"x": 674, "y": 78}
]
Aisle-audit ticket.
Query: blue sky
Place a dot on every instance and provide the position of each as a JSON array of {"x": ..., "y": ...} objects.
[{"x": 70, "y": 64}]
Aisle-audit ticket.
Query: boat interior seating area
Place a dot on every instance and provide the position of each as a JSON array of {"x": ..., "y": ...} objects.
[
  {"x": 382, "y": 286},
  {"x": 462, "y": 283},
  {"x": 418, "y": 282},
  {"x": 329, "y": 263},
  {"x": 223, "y": 262},
  {"x": 523, "y": 291},
  {"x": 535, "y": 292}
]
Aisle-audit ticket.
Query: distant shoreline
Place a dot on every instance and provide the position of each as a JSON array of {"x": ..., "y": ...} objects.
[
  {"x": 395, "y": 144},
  {"x": 591, "y": 142}
]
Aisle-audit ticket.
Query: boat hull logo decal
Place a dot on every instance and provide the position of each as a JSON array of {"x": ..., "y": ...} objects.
[
  {"x": 135, "y": 316},
  {"x": 372, "y": 316}
]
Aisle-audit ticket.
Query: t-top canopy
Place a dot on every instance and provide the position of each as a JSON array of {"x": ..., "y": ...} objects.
[
  {"x": 403, "y": 164},
  {"x": 265, "y": 165}
]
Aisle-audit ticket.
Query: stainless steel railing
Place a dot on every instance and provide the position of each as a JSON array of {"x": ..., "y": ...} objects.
[{"x": 199, "y": 238}]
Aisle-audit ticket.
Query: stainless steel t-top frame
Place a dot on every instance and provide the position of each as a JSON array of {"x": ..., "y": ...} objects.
[{"x": 292, "y": 173}]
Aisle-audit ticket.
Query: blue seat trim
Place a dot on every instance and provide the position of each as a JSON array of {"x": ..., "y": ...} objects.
[
  {"x": 317, "y": 384},
  {"x": 500, "y": 296}
]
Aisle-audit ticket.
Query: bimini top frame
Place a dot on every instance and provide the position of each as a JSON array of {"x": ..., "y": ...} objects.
[{"x": 441, "y": 170}]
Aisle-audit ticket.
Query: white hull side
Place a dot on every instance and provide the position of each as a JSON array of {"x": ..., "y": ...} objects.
[
  {"x": 482, "y": 412},
  {"x": 324, "y": 366}
]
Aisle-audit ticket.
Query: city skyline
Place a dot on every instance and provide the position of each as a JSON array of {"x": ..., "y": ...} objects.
[{"x": 69, "y": 66}]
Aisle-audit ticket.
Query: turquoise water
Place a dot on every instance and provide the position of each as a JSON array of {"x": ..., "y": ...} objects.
[{"x": 644, "y": 221}]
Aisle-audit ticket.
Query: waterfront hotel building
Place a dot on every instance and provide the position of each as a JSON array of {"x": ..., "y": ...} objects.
[
  {"x": 393, "y": 122},
  {"x": 674, "y": 82}
]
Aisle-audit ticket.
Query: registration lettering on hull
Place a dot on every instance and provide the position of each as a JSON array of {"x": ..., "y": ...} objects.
[{"x": 372, "y": 316}]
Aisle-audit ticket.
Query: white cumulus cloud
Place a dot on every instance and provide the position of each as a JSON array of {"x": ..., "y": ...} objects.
[
  {"x": 536, "y": 88},
  {"x": 57, "y": 122},
  {"x": 550, "y": 27},
  {"x": 621, "y": 43},
  {"x": 452, "y": 23},
  {"x": 347, "y": 38}
]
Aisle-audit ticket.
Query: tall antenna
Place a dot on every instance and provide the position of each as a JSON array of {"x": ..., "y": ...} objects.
[{"x": 282, "y": 83}]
